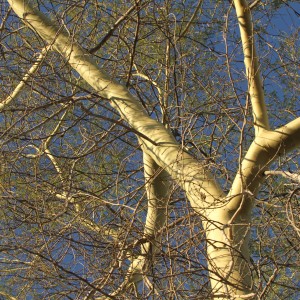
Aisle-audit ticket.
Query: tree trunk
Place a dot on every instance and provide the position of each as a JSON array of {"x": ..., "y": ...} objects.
[{"x": 226, "y": 219}]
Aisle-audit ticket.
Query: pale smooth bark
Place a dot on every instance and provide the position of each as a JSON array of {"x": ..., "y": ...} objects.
[
  {"x": 289, "y": 175},
  {"x": 259, "y": 110},
  {"x": 226, "y": 220},
  {"x": 157, "y": 184},
  {"x": 266, "y": 147},
  {"x": 230, "y": 226},
  {"x": 7, "y": 296},
  {"x": 25, "y": 79},
  {"x": 164, "y": 149}
]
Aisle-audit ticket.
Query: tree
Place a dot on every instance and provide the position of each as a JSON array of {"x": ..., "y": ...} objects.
[{"x": 79, "y": 219}]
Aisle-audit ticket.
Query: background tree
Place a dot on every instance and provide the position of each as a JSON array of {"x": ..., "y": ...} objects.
[{"x": 149, "y": 182}]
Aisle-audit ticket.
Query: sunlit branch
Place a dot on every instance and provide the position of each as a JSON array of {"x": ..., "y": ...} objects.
[
  {"x": 213, "y": 248},
  {"x": 255, "y": 88},
  {"x": 139, "y": 74},
  {"x": 226, "y": 245},
  {"x": 25, "y": 79},
  {"x": 72, "y": 198},
  {"x": 157, "y": 185},
  {"x": 166, "y": 152},
  {"x": 160, "y": 94},
  {"x": 266, "y": 147},
  {"x": 254, "y": 4},
  {"x": 4, "y": 19},
  {"x": 289, "y": 175},
  {"x": 164, "y": 102},
  {"x": 8, "y": 296}
]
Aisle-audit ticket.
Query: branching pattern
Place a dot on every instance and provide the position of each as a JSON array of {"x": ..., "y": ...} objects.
[{"x": 181, "y": 183}]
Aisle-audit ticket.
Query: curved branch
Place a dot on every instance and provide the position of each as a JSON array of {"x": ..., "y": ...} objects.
[
  {"x": 266, "y": 147},
  {"x": 158, "y": 192},
  {"x": 200, "y": 186},
  {"x": 160, "y": 94},
  {"x": 228, "y": 227}
]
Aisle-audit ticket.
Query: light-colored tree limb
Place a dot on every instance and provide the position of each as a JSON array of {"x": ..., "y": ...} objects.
[
  {"x": 8, "y": 296},
  {"x": 157, "y": 184},
  {"x": 160, "y": 97},
  {"x": 228, "y": 227},
  {"x": 227, "y": 220},
  {"x": 266, "y": 147},
  {"x": 289, "y": 175},
  {"x": 255, "y": 88},
  {"x": 166, "y": 152},
  {"x": 254, "y": 4},
  {"x": 25, "y": 79}
]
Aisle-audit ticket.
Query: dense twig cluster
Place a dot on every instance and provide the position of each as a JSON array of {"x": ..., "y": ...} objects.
[{"x": 151, "y": 188}]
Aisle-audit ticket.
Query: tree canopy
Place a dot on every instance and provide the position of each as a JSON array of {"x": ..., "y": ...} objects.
[{"x": 149, "y": 149}]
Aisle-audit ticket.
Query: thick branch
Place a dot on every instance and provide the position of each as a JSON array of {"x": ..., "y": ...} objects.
[
  {"x": 157, "y": 184},
  {"x": 198, "y": 183},
  {"x": 266, "y": 147},
  {"x": 259, "y": 110},
  {"x": 228, "y": 227}
]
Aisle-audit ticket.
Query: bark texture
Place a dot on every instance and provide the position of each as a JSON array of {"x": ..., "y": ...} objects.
[{"x": 226, "y": 219}]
